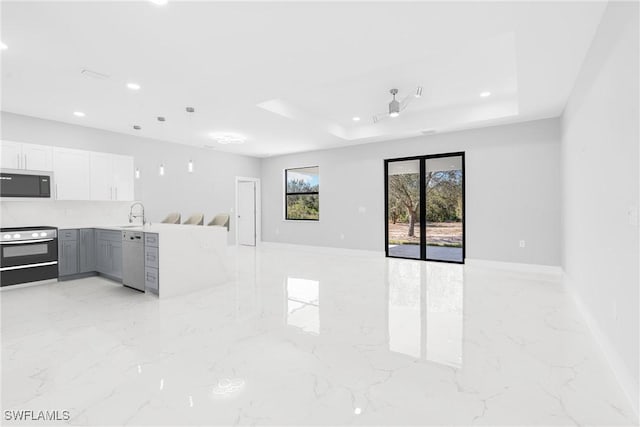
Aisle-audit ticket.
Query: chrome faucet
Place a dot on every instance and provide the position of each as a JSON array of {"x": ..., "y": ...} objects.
[{"x": 132, "y": 216}]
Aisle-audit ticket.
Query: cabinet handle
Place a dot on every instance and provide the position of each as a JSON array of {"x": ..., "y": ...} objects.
[
  {"x": 110, "y": 193},
  {"x": 25, "y": 161},
  {"x": 56, "y": 191},
  {"x": 18, "y": 155},
  {"x": 116, "y": 193}
]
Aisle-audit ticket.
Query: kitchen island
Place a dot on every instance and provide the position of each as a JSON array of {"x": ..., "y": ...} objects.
[
  {"x": 178, "y": 259},
  {"x": 189, "y": 257}
]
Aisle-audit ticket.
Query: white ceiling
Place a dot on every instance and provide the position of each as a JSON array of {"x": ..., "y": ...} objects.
[{"x": 290, "y": 76}]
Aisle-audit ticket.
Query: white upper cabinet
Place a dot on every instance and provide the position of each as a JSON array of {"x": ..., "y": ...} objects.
[
  {"x": 101, "y": 176},
  {"x": 77, "y": 174},
  {"x": 72, "y": 170},
  {"x": 111, "y": 177},
  {"x": 10, "y": 155},
  {"x": 18, "y": 155},
  {"x": 37, "y": 157},
  {"x": 123, "y": 177}
]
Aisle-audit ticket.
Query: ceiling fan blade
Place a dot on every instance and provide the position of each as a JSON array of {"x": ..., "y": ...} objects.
[
  {"x": 379, "y": 117},
  {"x": 406, "y": 101}
]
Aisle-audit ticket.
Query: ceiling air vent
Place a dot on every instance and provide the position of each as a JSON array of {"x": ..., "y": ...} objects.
[{"x": 94, "y": 74}]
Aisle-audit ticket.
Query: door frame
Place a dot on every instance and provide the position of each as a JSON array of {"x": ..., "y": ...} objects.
[
  {"x": 258, "y": 208},
  {"x": 423, "y": 206}
]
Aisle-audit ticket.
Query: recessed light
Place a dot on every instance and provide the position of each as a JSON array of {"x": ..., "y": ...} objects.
[
  {"x": 485, "y": 94},
  {"x": 133, "y": 86},
  {"x": 78, "y": 114},
  {"x": 3, "y": 46},
  {"x": 356, "y": 119},
  {"x": 228, "y": 138},
  {"x": 394, "y": 114},
  {"x": 159, "y": 2}
]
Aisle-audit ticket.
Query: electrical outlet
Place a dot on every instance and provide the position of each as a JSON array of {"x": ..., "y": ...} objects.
[{"x": 522, "y": 243}]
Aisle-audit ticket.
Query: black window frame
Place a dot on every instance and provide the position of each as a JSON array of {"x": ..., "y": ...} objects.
[
  {"x": 306, "y": 193},
  {"x": 423, "y": 206}
]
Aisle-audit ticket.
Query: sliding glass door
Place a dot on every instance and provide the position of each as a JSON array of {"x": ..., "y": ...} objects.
[
  {"x": 425, "y": 207},
  {"x": 404, "y": 191}
]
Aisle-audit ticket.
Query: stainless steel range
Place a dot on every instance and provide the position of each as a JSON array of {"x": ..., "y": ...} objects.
[{"x": 28, "y": 254}]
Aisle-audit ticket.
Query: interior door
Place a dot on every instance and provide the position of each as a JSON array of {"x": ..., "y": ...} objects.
[{"x": 246, "y": 213}]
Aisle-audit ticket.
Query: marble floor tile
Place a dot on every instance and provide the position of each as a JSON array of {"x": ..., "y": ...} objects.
[{"x": 306, "y": 337}]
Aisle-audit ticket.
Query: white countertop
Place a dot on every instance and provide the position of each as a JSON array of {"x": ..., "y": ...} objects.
[{"x": 147, "y": 228}]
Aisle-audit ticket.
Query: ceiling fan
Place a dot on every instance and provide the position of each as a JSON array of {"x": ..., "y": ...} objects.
[{"x": 395, "y": 106}]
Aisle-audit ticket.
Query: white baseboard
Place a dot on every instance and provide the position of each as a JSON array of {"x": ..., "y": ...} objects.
[
  {"x": 322, "y": 249},
  {"x": 630, "y": 388},
  {"x": 547, "y": 270}
]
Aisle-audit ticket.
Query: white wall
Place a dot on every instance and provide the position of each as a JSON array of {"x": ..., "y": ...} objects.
[
  {"x": 513, "y": 192},
  {"x": 600, "y": 141},
  {"x": 209, "y": 189}
]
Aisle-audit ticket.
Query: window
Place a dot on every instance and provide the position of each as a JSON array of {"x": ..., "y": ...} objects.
[{"x": 302, "y": 197}]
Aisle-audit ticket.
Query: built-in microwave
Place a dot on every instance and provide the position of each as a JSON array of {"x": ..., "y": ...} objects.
[{"x": 25, "y": 185}]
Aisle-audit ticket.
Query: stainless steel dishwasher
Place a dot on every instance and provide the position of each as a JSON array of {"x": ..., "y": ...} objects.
[{"x": 133, "y": 259}]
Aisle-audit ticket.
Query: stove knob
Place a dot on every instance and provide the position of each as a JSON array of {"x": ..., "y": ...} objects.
[
  {"x": 43, "y": 234},
  {"x": 6, "y": 236},
  {"x": 34, "y": 234},
  {"x": 16, "y": 236}
]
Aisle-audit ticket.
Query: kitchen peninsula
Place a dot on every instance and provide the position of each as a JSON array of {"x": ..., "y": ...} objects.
[{"x": 173, "y": 259}]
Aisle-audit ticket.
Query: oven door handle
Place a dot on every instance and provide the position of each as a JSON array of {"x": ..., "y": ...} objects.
[
  {"x": 26, "y": 242},
  {"x": 21, "y": 267}
]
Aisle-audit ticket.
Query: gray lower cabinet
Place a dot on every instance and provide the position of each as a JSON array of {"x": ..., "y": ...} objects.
[
  {"x": 87, "y": 250},
  {"x": 76, "y": 252},
  {"x": 108, "y": 253},
  {"x": 116, "y": 258},
  {"x": 67, "y": 257},
  {"x": 151, "y": 264}
]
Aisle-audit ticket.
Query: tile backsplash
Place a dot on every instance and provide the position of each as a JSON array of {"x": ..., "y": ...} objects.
[{"x": 63, "y": 213}]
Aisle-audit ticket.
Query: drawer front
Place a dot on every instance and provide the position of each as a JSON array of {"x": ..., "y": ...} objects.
[
  {"x": 151, "y": 257},
  {"x": 151, "y": 239},
  {"x": 68, "y": 234},
  {"x": 151, "y": 280},
  {"x": 109, "y": 235}
]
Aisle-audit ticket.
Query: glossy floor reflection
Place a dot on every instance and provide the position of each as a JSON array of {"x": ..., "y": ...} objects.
[{"x": 302, "y": 337}]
